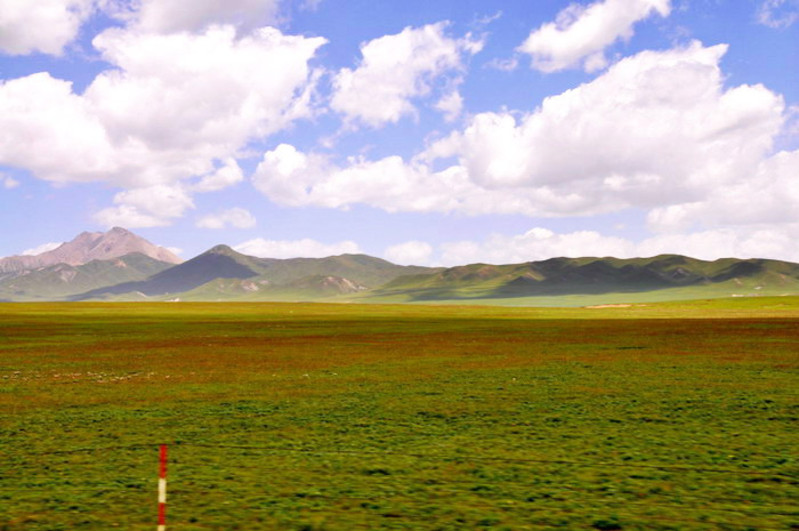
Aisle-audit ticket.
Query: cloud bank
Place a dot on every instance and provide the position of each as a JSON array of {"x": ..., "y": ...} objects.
[
  {"x": 657, "y": 131},
  {"x": 238, "y": 218},
  {"x": 304, "y": 248}
]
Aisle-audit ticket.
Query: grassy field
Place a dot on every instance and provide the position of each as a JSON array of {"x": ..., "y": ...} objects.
[{"x": 341, "y": 417}]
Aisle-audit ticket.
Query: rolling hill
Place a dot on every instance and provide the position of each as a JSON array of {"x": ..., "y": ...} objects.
[
  {"x": 62, "y": 281},
  {"x": 222, "y": 273},
  {"x": 661, "y": 277}
]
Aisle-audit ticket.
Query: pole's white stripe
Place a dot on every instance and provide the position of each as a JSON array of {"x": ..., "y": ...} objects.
[
  {"x": 161, "y": 528},
  {"x": 161, "y": 490}
]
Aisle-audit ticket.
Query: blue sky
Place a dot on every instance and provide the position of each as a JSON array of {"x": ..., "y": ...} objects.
[{"x": 428, "y": 132}]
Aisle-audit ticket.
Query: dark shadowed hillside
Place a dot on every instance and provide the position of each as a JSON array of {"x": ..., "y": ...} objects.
[
  {"x": 209, "y": 275},
  {"x": 592, "y": 276}
]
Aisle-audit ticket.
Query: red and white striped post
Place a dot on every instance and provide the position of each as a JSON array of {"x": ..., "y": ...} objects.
[{"x": 162, "y": 491}]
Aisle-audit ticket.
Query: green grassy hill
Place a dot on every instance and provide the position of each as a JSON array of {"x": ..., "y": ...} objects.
[
  {"x": 310, "y": 288},
  {"x": 222, "y": 273},
  {"x": 596, "y": 280},
  {"x": 63, "y": 280}
]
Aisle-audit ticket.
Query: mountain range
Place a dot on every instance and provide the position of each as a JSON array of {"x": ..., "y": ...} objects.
[{"x": 119, "y": 265}]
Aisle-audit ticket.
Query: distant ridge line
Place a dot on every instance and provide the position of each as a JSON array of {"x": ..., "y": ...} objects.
[{"x": 85, "y": 272}]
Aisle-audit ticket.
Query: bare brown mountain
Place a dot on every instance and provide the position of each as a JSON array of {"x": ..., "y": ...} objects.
[{"x": 89, "y": 246}]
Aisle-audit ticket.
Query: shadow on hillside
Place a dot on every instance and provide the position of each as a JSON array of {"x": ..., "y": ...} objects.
[{"x": 178, "y": 279}]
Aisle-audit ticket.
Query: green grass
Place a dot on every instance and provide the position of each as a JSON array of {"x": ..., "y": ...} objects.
[
  {"x": 340, "y": 417},
  {"x": 471, "y": 295}
]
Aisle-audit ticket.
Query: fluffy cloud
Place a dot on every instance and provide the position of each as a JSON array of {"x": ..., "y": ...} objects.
[
  {"x": 580, "y": 34},
  {"x": 175, "y": 107},
  {"x": 152, "y": 206},
  {"x": 394, "y": 70},
  {"x": 285, "y": 173},
  {"x": 657, "y": 128},
  {"x": 768, "y": 196},
  {"x": 238, "y": 218},
  {"x": 168, "y": 16},
  {"x": 185, "y": 100},
  {"x": 450, "y": 105},
  {"x": 45, "y": 26},
  {"x": 305, "y": 248},
  {"x": 763, "y": 241},
  {"x": 51, "y": 131},
  {"x": 409, "y": 253},
  {"x": 226, "y": 175},
  {"x": 293, "y": 178},
  {"x": 778, "y": 14}
]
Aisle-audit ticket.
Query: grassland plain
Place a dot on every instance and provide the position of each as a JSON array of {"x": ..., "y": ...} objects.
[{"x": 341, "y": 417}]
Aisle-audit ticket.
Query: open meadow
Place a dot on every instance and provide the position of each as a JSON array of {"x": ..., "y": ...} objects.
[{"x": 342, "y": 417}]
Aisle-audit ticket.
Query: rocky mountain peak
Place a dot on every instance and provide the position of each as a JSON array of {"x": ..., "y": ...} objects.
[{"x": 88, "y": 246}]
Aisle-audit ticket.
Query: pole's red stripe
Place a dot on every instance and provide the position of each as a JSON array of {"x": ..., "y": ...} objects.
[
  {"x": 163, "y": 461},
  {"x": 161, "y": 514}
]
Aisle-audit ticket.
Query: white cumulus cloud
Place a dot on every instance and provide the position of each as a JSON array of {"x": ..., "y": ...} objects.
[
  {"x": 174, "y": 107},
  {"x": 291, "y": 177},
  {"x": 185, "y": 100},
  {"x": 223, "y": 177},
  {"x": 451, "y": 105},
  {"x": 394, "y": 70},
  {"x": 580, "y": 33},
  {"x": 776, "y": 241},
  {"x": 46, "y": 128},
  {"x": 152, "y": 206},
  {"x": 304, "y": 248},
  {"x": 169, "y": 16},
  {"x": 409, "y": 253},
  {"x": 656, "y": 129},
  {"x": 769, "y": 195},
  {"x": 46, "y": 26},
  {"x": 238, "y": 218}
]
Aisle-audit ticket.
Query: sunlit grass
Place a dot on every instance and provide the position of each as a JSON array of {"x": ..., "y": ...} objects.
[{"x": 290, "y": 416}]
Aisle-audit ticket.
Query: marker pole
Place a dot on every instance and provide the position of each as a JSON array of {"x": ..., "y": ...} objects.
[{"x": 162, "y": 491}]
